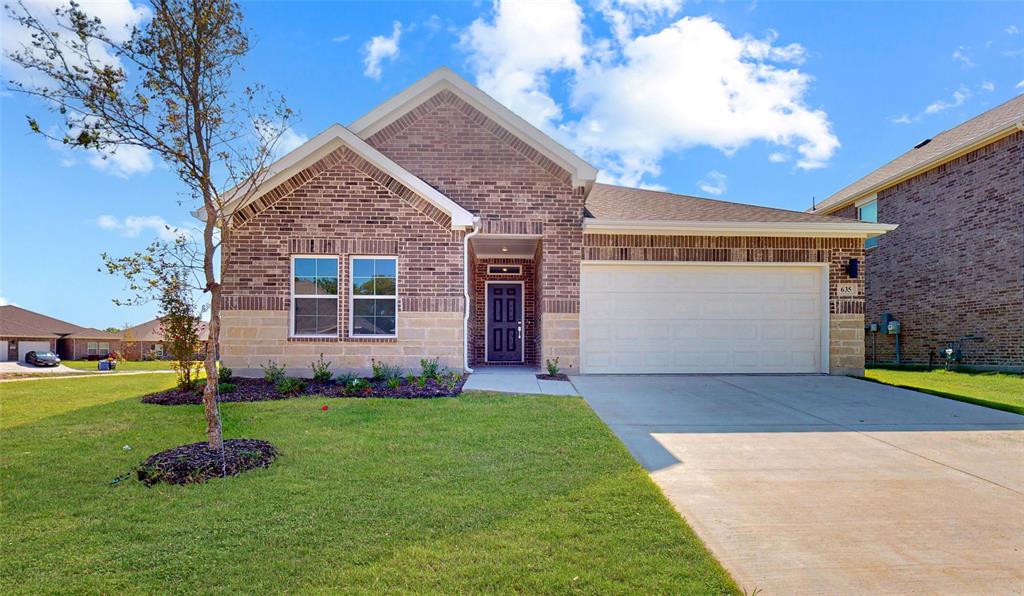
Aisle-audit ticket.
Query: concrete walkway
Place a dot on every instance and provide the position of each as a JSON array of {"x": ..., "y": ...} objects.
[
  {"x": 831, "y": 485},
  {"x": 515, "y": 379}
]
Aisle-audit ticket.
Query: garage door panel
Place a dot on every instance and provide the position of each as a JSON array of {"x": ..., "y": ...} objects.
[
  {"x": 24, "y": 347},
  {"x": 682, "y": 318}
]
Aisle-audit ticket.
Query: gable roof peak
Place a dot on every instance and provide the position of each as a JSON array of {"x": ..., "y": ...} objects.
[{"x": 444, "y": 78}]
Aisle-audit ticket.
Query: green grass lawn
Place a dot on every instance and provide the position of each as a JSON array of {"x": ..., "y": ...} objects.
[
  {"x": 122, "y": 365},
  {"x": 995, "y": 390},
  {"x": 481, "y": 493}
]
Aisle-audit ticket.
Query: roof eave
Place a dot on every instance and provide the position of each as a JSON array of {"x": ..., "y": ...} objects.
[
  {"x": 737, "y": 228},
  {"x": 973, "y": 145}
]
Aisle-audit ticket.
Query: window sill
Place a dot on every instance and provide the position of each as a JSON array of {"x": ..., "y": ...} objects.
[{"x": 366, "y": 339}]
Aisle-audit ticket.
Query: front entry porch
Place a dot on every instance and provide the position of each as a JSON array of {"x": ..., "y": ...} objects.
[{"x": 515, "y": 379}]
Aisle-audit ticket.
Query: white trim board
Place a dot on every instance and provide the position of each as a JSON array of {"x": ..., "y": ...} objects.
[
  {"x": 852, "y": 229},
  {"x": 583, "y": 174}
]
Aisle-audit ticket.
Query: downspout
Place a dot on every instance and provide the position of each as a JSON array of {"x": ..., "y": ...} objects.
[{"x": 465, "y": 294}]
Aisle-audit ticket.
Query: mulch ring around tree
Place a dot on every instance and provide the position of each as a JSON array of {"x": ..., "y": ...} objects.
[
  {"x": 196, "y": 462},
  {"x": 252, "y": 390}
]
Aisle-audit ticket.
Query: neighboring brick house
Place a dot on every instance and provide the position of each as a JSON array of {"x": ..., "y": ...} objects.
[
  {"x": 23, "y": 331},
  {"x": 442, "y": 225},
  {"x": 955, "y": 266},
  {"x": 146, "y": 341}
]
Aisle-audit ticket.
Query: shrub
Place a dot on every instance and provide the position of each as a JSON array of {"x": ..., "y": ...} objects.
[
  {"x": 226, "y": 387},
  {"x": 272, "y": 372},
  {"x": 394, "y": 382},
  {"x": 430, "y": 367},
  {"x": 321, "y": 370},
  {"x": 290, "y": 386},
  {"x": 421, "y": 382},
  {"x": 225, "y": 374},
  {"x": 552, "y": 366},
  {"x": 385, "y": 372},
  {"x": 345, "y": 379}
]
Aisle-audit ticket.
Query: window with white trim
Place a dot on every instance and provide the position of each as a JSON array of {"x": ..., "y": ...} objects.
[
  {"x": 314, "y": 297},
  {"x": 373, "y": 302},
  {"x": 158, "y": 350},
  {"x": 868, "y": 212},
  {"x": 92, "y": 348}
]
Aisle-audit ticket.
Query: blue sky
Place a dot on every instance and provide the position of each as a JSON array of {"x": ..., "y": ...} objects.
[{"x": 827, "y": 91}]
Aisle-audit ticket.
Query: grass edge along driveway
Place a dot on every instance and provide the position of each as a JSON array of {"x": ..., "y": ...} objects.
[
  {"x": 480, "y": 493},
  {"x": 1001, "y": 391}
]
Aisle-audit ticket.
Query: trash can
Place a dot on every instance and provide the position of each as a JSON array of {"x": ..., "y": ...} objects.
[{"x": 104, "y": 365}]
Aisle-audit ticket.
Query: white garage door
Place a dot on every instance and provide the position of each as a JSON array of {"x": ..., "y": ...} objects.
[
  {"x": 684, "y": 318},
  {"x": 3, "y": 350},
  {"x": 24, "y": 347}
]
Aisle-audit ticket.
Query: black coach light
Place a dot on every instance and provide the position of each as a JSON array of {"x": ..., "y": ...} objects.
[{"x": 852, "y": 267}]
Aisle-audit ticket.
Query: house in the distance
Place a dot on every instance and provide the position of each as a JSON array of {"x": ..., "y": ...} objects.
[
  {"x": 954, "y": 270},
  {"x": 146, "y": 341},
  {"x": 23, "y": 331},
  {"x": 442, "y": 225}
]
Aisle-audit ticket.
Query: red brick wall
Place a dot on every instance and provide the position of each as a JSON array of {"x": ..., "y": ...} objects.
[
  {"x": 494, "y": 175},
  {"x": 479, "y": 295},
  {"x": 342, "y": 211},
  {"x": 955, "y": 266}
]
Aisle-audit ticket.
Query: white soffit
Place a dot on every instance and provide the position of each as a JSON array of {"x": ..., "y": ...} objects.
[
  {"x": 443, "y": 78},
  {"x": 851, "y": 229}
]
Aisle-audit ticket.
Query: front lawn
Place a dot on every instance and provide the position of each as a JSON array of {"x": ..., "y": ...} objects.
[
  {"x": 122, "y": 365},
  {"x": 480, "y": 493},
  {"x": 1002, "y": 391}
]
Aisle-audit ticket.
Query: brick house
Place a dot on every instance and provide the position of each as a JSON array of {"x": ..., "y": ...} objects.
[
  {"x": 442, "y": 225},
  {"x": 23, "y": 331},
  {"x": 146, "y": 341},
  {"x": 955, "y": 267}
]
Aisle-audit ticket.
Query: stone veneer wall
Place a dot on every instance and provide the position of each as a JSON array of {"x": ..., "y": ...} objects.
[
  {"x": 955, "y": 266},
  {"x": 846, "y": 314}
]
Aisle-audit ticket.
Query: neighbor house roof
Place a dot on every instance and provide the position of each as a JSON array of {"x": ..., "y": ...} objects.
[
  {"x": 152, "y": 331},
  {"x": 444, "y": 78},
  {"x": 19, "y": 322},
  {"x": 621, "y": 209},
  {"x": 977, "y": 132}
]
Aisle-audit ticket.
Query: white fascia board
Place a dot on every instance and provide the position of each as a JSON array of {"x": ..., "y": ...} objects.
[
  {"x": 442, "y": 78},
  {"x": 329, "y": 140},
  {"x": 737, "y": 228}
]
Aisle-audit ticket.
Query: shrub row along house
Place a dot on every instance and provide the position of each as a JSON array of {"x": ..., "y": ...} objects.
[
  {"x": 442, "y": 225},
  {"x": 952, "y": 275},
  {"x": 23, "y": 331}
]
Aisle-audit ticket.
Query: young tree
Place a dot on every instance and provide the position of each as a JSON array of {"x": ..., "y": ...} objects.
[
  {"x": 179, "y": 324},
  {"x": 127, "y": 341},
  {"x": 167, "y": 89}
]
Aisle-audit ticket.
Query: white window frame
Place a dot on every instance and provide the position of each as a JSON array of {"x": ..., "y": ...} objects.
[
  {"x": 92, "y": 348},
  {"x": 352, "y": 295},
  {"x": 291, "y": 286},
  {"x": 103, "y": 349},
  {"x": 158, "y": 350}
]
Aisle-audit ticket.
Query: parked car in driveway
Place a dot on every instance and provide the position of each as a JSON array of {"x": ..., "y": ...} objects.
[{"x": 42, "y": 358}]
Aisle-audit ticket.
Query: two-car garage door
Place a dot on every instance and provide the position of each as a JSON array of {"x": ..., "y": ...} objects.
[{"x": 694, "y": 318}]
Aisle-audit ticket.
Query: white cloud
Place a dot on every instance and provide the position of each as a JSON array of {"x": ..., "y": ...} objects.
[
  {"x": 689, "y": 84},
  {"x": 960, "y": 55},
  {"x": 988, "y": 86},
  {"x": 624, "y": 16},
  {"x": 1019, "y": 85},
  {"x": 1012, "y": 30},
  {"x": 778, "y": 157},
  {"x": 6, "y": 302},
  {"x": 122, "y": 161},
  {"x": 341, "y": 38},
  {"x": 526, "y": 41},
  {"x": 901, "y": 119},
  {"x": 285, "y": 142},
  {"x": 380, "y": 48},
  {"x": 713, "y": 183},
  {"x": 133, "y": 226},
  {"x": 959, "y": 97}
]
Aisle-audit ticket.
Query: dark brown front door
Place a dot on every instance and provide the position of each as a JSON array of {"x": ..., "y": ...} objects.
[{"x": 504, "y": 323}]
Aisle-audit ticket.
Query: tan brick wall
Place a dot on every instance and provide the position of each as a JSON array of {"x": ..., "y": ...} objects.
[
  {"x": 561, "y": 339},
  {"x": 836, "y": 252},
  {"x": 252, "y": 337}
]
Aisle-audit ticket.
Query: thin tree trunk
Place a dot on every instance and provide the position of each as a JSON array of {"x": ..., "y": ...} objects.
[{"x": 213, "y": 428}]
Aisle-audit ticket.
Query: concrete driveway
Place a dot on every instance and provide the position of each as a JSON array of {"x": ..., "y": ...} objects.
[
  {"x": 814, "y": 484},
  {"x": 23, "y": 368}
]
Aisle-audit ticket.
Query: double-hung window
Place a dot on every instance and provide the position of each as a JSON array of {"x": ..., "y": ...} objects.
[
  {"x": 314, "y": 297},
  {"x": 868, "y": 212},
  {"x": 374, "y": 297},
  {"x": 92, "y": 348}
]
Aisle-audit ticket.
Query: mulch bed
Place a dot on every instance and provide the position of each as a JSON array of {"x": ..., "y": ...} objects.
[
  {"x": 251, "y": 390},
  {"x": 196, "y": 462},
  {"x": 558, "y": 377}
]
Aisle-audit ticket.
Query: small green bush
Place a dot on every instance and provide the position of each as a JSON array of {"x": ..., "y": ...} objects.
[
  {"x": 273, "y": 372},
  {"x": 290, "y": 386},
  {"x": 394, "y": 382},
  {"x": 552, "y": 366},
  {"x": 321, "y": 369},
  {"x": 225, "y": 374},
  {"x": 430, "y": 367},
  {"x": 385, "y": 372},
  {"x": 345, "y": 379},
  {"x": 226, "y": 387},
  {"x": 421, "y": 382}
]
